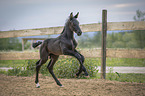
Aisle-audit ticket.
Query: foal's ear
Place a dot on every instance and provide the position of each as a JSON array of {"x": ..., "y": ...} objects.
[
  {"x": 76, "y": 16},
  {"x": 71, "y": 16}
]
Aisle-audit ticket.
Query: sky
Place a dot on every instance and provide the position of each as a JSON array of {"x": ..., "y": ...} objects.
[{"x": 30, "y": 14}]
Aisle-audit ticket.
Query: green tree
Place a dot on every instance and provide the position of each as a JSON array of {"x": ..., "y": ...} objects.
[
  {"x": 114, "y": 40},
  {"x": 110, "y": 40},
  {"x": 84, "y": 41},
  {"x": 96, "y": 40},
  {"x": 140, "y": 16},
  {"x": 140, "y": 35},
  {"x": 129, "y": 40},
  {"x": 118, "y": 44},
  {"x": 10, "y": 44}
]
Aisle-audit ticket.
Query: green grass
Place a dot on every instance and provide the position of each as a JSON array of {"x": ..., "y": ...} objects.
[
  {"x": 12, "y": 63},
  {"x": 64, "y": 68},
  {"x": 131, "y": 77},
  {"x": 68, "y": 66},
  {"x": 134, "y": 62},
  {"x": 124, "y": 77}
]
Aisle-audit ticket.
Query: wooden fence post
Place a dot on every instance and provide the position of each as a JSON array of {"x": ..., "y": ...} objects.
[
  {"x": 103, "y": 51},
  {"x": 22, "y": 44}
]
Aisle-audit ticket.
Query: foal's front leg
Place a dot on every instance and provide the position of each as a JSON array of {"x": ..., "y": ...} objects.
[
  {"x": 82, "y": 67},
  {"x": 80, "y": 58}
]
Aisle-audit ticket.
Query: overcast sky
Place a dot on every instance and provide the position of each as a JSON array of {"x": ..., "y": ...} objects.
[{"x": 27, "y": 14}]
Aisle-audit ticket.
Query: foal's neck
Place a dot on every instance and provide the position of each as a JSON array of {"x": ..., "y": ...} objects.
[{"x": 68, "y": 33}]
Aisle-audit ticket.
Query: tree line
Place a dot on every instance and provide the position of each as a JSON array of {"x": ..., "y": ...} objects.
[{"x": 126, "y": 39}]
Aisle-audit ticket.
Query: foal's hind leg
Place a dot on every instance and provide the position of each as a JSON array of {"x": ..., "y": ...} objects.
[
  {"x": 54, "y": 58},
  {"x": 38, "y": 65}
]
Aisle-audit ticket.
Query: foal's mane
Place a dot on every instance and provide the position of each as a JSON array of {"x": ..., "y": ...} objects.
[{"x": 66, "y": 23}]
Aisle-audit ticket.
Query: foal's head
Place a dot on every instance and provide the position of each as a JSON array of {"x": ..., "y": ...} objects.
[{"x": 74, "y": 24}]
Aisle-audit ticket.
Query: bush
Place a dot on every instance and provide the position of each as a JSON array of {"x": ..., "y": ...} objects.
[
  {"x": 28, "y": 69},
  {"x": 14, "y": 71},
  {"x": 64, "y": 68},
  {"x": 67, "y": 68}
]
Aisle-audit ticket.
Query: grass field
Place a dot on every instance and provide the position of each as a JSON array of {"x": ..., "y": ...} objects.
[
  {"x": 131, "y": 77},
  {"x": 124, "y": 77},
  {"x": 133, "y": 62}
]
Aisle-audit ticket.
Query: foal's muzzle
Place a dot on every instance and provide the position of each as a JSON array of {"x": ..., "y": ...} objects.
[{"x": 79, "y": 33}]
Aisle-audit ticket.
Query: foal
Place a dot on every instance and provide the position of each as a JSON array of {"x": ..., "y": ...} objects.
[{"x": 64, "y": 44}]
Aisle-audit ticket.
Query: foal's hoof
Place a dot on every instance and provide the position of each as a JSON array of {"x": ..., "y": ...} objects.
[
  {"x": 76, "y": 76},
  {"x": 37, "y": 85},
  {"x": 61, "y": 86},
  {"x": 87, "y": 76}
]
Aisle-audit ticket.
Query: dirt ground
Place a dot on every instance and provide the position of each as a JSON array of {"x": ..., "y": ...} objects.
[{"x": 25, "y": 86}]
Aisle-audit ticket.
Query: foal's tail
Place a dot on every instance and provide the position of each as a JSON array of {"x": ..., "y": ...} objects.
[{"x": 34, "y": 45}]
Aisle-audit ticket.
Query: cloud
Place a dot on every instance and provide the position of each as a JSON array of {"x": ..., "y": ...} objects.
[
  {"x": 123, "y": 5},
  {"x": 126, "y": 5}
]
